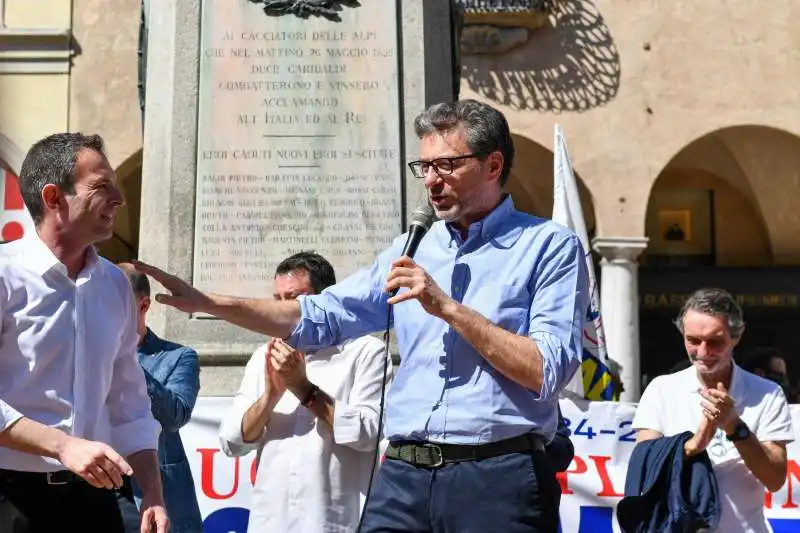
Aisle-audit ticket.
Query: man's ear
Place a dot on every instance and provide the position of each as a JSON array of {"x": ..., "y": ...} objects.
[
  {"x": 738, "y": 337},
  {"x": 495, "y": 162},
  {"x": 145, "y": 304},
  {"x": 51, "y": 196}
]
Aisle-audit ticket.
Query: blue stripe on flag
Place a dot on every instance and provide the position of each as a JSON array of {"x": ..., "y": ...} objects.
[{"x": 597, "y": 382}]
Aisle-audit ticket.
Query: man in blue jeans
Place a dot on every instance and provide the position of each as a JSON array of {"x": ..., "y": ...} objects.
[
  {"x": 172, "y": 374},
  {"x": 488, "y": 319}
]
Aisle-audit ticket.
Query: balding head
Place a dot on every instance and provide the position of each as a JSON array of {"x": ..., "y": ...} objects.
[
  {"x": 139, "y": 282},
  {"x": 141, "y": 291}
]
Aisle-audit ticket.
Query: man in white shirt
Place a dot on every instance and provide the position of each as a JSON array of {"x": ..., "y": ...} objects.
[
  {"x": 740, "y": 419},
  {"x": 74, "y": 410},
  {"x": 313, "y": 420}
]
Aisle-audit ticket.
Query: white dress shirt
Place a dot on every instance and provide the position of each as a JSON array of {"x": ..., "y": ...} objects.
[
  {"x": 312, "y": 479},
  {"x": 68, "y": 353},
  {"x": 671, "y": 405}
]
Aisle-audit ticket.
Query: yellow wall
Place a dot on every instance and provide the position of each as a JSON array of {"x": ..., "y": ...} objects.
[
  {"x": 38, "y": 13},
  {"x": 633, "y": 83},
  {"x": 103, "y": 93},
  {"x": 32, "y": 106},
  {"x": 702, "y": 94}
]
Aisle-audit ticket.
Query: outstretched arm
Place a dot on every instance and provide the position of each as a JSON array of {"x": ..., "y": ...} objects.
[{"x": 276, "y": 318}]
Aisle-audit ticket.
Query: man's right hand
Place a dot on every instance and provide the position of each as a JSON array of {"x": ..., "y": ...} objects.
[
  {"x": 702, "y": 437},
  {"x": 183, "y": 296},
  {"x": 95, "y": 462},
  {"x": 275, "y": 382}
]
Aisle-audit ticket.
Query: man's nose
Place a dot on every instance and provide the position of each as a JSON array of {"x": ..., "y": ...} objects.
[
  {"x": 432, "y": 177},
  {"x": 117, "y": 197}
]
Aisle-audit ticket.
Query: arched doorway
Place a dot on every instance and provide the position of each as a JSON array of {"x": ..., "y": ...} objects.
[
  {"x": 124, "y": 243},
  {"x": 531, "y": 183},
  {"x": 723, "y": 213}
]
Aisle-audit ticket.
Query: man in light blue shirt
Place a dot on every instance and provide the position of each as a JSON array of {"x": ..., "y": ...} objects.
[{"x": 488, "y": 319}]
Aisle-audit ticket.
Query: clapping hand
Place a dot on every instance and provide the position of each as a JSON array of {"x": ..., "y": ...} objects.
[
  {"x": 277, "y": 385},
  {"x": 289, "y": 365},
  {"x": 719, "y": 407}
]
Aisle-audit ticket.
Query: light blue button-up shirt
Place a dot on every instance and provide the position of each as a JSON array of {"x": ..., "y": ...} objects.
[{"x": 525, "y": 274}]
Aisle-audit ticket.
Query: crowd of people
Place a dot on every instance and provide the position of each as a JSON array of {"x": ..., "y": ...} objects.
[{"x": 488, "y": 314}]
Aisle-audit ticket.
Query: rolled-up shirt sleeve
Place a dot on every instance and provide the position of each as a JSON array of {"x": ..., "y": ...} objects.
[
  {"x": 252, "y": 387},
  {"x": 558, "y": 311},
  {"x": 355, "y": 422},
  {"x": 133, "y": 427},
  {"x": 8, "y": 416},
  {"x": 352, "y": 308},
  {"x": 173, "y": 401}
]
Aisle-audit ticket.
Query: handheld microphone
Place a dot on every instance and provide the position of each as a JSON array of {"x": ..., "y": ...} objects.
[{"x": 421, "y": 221}]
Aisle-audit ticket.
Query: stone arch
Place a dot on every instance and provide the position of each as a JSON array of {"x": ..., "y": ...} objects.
[
  {"x": 531, "y": 183},
  {"x": 751, "y": 175},
  {"x": 124, "y": 243}
]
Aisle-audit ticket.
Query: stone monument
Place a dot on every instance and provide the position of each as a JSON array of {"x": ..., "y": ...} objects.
[{"x": 274, "y": 126}]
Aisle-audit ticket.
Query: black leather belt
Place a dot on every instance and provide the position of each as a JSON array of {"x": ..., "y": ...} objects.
[
  {"x": 430, "y": 455},
  {"x": 62, "y": 477}
]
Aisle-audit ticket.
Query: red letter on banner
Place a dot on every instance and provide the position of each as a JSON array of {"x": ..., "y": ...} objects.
[
  {"x": 792, "y": 470},
  {"x": 207, "y": 474},
  {"x": 580, "y": 468},
  {"x": 254, "y": 471},
  {"x": 608, "y": 488}
]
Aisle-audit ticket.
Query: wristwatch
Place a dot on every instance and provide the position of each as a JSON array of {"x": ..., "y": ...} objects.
[
  {"x": 310, "y": 396},
  {"x": 740, "y": 432}
]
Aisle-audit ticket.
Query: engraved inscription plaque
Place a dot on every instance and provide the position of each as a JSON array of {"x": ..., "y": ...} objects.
[{"x": 298, "y": 142}]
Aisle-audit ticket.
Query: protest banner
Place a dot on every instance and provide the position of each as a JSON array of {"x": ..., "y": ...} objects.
[{"x": 591, "y": 487}]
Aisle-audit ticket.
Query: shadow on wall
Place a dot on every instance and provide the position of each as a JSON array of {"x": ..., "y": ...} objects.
[{"x": 570, "y": 64}]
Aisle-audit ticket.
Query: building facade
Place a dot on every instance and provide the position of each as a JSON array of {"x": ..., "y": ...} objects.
[
  {"x": 681, "y": 118},
  {"x": 71, "y": 66},
  {"x": 682, "y": 121}
]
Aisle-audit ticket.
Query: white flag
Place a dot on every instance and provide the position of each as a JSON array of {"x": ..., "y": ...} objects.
[{"x": 593, "y": 379}]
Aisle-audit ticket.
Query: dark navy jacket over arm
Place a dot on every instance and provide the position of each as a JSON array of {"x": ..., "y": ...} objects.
[{"x": 666, "y": 492}]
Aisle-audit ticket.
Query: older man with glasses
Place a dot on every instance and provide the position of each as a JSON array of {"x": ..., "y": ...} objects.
[{"x": 488, "y": 318}]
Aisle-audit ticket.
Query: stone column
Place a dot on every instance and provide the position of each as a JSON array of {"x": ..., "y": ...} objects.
[{"x": 619, "y": 306}]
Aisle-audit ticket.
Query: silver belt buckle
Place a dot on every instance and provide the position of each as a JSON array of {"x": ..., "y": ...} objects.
[
  {"x": 437, "y": 453},
  {"x": 51, "y": 481}
]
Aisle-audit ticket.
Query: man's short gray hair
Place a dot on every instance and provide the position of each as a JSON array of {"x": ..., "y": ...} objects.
[
  {"x": 486, "y": 128},
  {"x": 715, "y": 302}
]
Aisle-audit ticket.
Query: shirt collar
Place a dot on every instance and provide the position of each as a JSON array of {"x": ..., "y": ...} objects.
[
  {"x": 150, "y": 342},
  {"x": 37, "y": 256},
  {"x": 40, "y": 259},
  {"x": 489, "y": 227},
  {"x": 323, "y": 353},
  {"x": 735, "y": 390}
]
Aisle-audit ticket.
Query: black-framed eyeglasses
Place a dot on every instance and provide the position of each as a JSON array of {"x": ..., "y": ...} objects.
[{"x": 443, "y": 166}]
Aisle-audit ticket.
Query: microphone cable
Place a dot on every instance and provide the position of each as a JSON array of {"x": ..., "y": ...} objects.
[
  {"x": 421, "y": 221},
  {"x": 375, "y": 463}
]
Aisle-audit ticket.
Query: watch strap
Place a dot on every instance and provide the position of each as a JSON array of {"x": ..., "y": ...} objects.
[
  {"x": 310, "y": 396},
  {"x": 740, "y": 433}
]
